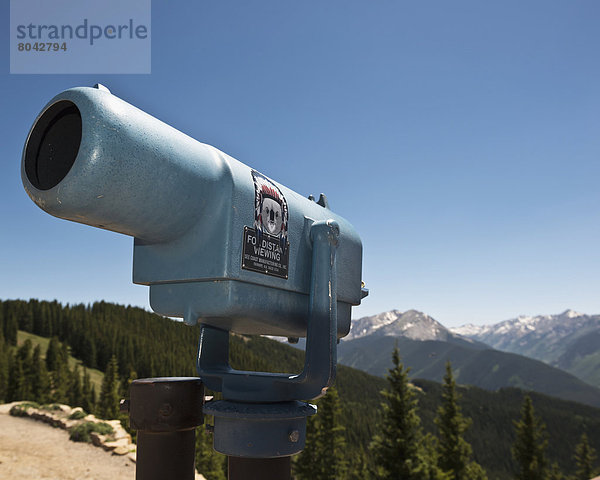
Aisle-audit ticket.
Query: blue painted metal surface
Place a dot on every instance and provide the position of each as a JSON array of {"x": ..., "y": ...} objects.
[
  {"x": 187, "y": 205},
  {"x": 321, "y": 343},
  {"x": 218, "y": 243},
  {"x": 266, "y": 430},
  {"x": 259, "y": 430}
]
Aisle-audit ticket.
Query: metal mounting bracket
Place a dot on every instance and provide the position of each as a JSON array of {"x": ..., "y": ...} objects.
[{"x": 321, "y": 340}]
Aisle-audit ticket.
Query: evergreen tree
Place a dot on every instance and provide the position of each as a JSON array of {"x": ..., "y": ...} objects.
[
  {"x": 454, "y": 451},
  {"x": 475, "y": 472},
  {"x": 399, "y": 450},
  {"x": 24, "y": 354},
  {"x": 24, "y": 358},
  {"x": 208, "y": 462},
  {"x": 75, "y": 389},
  {"x": 333, "y": 458},
  {"x": 555, "y": 473},
  {"x": 40, "y": 382},
  {"x": 126, "y": 382},
  {"x": 124, "y": 386},
  {"x": 431, "y": 454},
  {"x": 3, "y": 367},
  {"x": 53, "y": 355},
  {"x": 11, "y": 327},
  {"x": 306, "y": 465},
  {"x": 359, "y": 469},
  {"x": 60, "y": 374},
  {"x": 86, "y": 393},
  {"x": 88, "y": 352},
  {"x": 108, "y": 406},
  {"x": 325, "y": 459},
  {"x": 585, "y": 457},
  {"x": 530, "y": 444},
  {"x": 64, "y": 354},
  {"x": 60, "y": 384},
  {"x": 93, "y": 398},
  {"x": 16, "y": 379}
]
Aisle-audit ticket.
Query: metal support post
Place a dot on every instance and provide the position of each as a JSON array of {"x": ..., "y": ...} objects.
[
  {"x": 260, "y": 422},
  {"x": 263, "y": 468},
  {"x": 165, "y": 411}
]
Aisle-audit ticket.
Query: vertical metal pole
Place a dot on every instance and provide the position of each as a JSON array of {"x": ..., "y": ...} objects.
[
  {"x": 264, "y": 468},
  {"x": 165, "y": 412},
  {"x": 164, "y": 455}
]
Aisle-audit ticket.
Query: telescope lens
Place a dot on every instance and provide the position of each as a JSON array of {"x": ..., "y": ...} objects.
[{"x": 53, "y": 145}]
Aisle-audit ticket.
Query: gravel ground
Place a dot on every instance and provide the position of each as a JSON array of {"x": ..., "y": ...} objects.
[{"x": 32, "y": 450}]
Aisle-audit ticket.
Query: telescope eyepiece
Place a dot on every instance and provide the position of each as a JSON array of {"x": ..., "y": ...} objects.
[{"x": 53, "y": 145}]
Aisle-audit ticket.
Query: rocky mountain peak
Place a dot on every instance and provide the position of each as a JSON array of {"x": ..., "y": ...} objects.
[
  {"x": 367, "y": 325},
  {"x": 571, "y": 314},
  {"x": 411, "y": 324}
]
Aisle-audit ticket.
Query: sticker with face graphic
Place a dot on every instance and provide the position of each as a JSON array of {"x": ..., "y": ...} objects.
[
  {"x": 266, "y": 247},
  {"x": 271, "y": 215}
]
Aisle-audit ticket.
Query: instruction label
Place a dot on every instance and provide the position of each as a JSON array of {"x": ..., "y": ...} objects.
[{"x": 263, "y": 253}]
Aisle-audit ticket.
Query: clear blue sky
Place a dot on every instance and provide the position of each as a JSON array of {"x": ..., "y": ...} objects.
[{"x": 462, "y": 139}]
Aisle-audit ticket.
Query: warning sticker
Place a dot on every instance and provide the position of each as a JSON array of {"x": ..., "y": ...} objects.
[
  {"x": 263, "y": 253},
  {"x": 266, "y": 247}
]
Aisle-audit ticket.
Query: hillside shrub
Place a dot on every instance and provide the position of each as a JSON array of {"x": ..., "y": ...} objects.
[
  {"x": 81, "y": 432},
  {"x": 77, "y": 415},
  {"x": 20, "y": 410}
]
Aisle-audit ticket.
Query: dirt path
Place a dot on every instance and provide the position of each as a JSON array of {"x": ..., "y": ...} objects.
[{"x": 31, "y": 450}]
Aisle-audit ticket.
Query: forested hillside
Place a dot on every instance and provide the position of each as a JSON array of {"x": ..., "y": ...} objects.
[
  {"x": 147, "y": 345},
  {"x": 569, "y": 340},
  {"x": 483, "y": 367}
]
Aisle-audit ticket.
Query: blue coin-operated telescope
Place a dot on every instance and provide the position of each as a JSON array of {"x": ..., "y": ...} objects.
[{"x": 217, "y": 242}]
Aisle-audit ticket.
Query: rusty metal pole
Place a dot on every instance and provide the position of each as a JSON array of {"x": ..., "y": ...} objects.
[
  {"x": 264, "y": 468},
  {"x": 165, "y": 412}
]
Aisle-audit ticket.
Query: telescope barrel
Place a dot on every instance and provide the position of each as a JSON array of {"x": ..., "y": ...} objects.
[
  {"x": 216, "y": 241},
  {"x": 91, "y": 156}
]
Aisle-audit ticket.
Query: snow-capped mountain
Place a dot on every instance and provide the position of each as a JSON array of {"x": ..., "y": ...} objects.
[
  {"x": 524, "y": 331},
  {"x": 569, "y": 340},
  {"x": 469, "y": 330},
  {"x": 367, "y": 325},
  {"x": 410, "y": 324},
  {"x": 524, "y": 325}
]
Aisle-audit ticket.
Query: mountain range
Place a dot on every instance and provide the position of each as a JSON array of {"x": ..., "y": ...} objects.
[
  {"x": 569, "y": 341},
  {"x": 411, "y": 324},
  {"x": 425, "y": 345}
]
